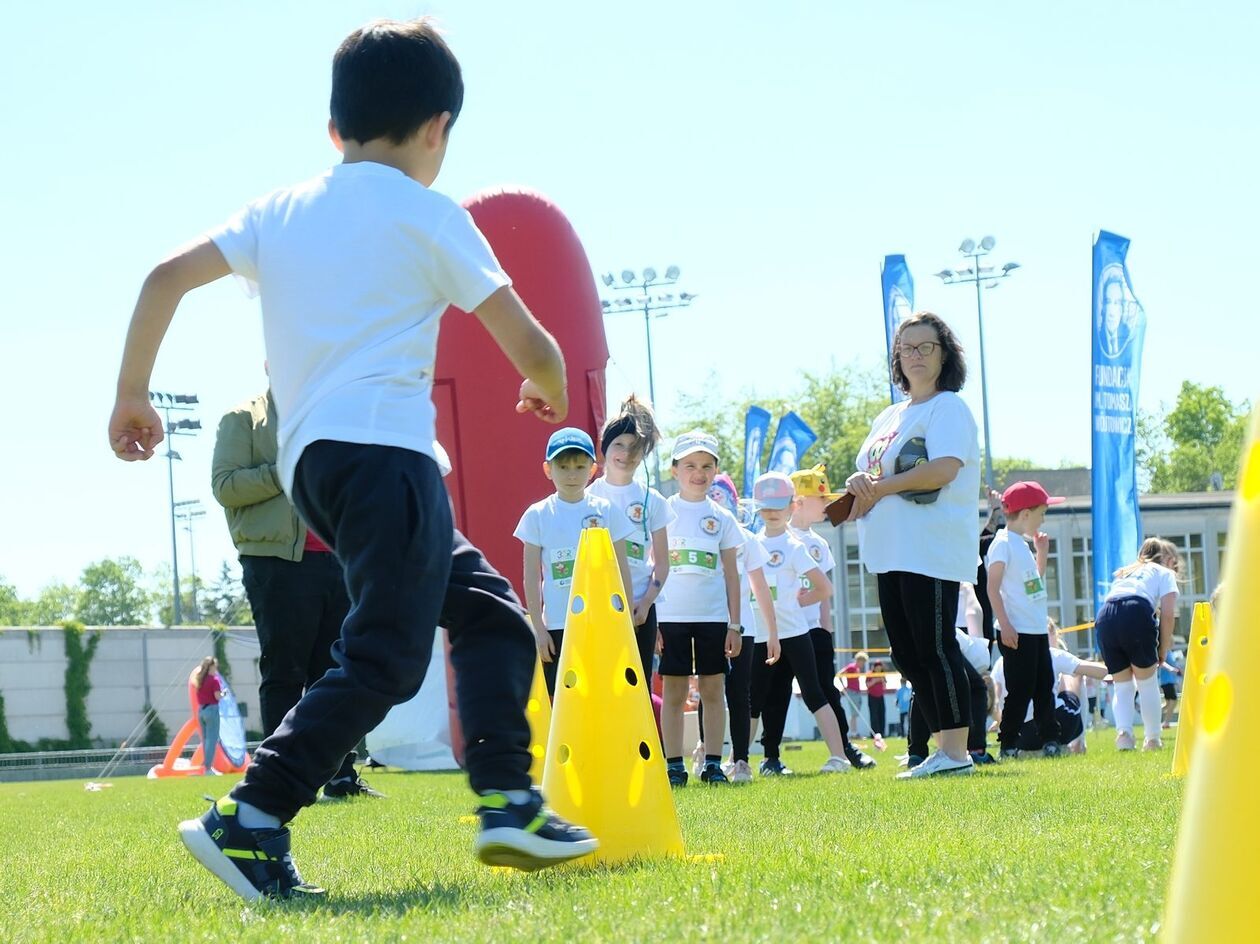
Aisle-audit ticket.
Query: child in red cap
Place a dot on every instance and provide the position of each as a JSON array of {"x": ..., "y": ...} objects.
[{"x": 1017, "y": 591}]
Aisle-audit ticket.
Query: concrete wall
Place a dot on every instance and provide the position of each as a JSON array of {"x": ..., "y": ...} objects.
[{"x": 131, "y": 665}]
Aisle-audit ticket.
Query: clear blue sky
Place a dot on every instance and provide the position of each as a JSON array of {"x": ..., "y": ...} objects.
[{"x": 775, "y": 154}]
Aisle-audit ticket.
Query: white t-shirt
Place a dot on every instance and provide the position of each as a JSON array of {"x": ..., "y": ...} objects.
[
  {"x": 787, "y": 561},
  {"x": 1151, "y": 582},
  {"x": 750, "y": 556},
  {"x": 938, "y": 540},
  {"x": 647, "y": 512},
  {"x": 354, "y": 269},
  {"x": 555, "y": 526},
  {"x": 1062, "y": 663},
  {"x": 820, "y": 550},
  {"x": 696, "y": 591},
  {"x": 1023, "y": 589},
  {"x": 975, "y": 649}
]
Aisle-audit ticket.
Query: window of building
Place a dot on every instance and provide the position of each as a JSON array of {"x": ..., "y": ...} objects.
[{"x": 866, "y": 623}]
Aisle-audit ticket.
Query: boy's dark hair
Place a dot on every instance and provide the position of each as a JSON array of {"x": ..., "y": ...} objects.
[
  {"x": 390, "y": 77},
  {"x": 634, "y": 417},
  {"x": 953, "y": 366}
]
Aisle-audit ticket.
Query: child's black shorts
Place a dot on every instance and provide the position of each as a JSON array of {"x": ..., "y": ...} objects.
[
  {"x": 1170, "y": 690},
  {"x": 693, "y": 649},
  {"x": 1067, "y": 709},
  {"x": 1127, "y": 634}
]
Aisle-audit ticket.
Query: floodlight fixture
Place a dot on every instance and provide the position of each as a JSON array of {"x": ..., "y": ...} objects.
[
  {"x": 673, "y": 272},
  {"x": 627, "y": 276},
  {"x": 968, "y": 245},
  {"x": 987, "y": 243},
  {"x": 607, "y": 278},
  {"x": 649, "y": 274}
]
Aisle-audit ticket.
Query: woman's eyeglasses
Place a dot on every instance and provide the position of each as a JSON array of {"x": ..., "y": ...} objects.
[{"x": 923, "y": 350}]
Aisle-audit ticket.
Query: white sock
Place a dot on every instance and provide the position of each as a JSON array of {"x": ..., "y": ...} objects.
[
  {"x": 251, "y": 817},
  {"x": 1148, "y": 702},
  {"x": 1122, "y": 705}
]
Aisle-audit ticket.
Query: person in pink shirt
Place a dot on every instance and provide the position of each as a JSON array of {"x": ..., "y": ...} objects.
[
  {"x": 209, "y": 688},
  {"x": 853, "y": 684}
]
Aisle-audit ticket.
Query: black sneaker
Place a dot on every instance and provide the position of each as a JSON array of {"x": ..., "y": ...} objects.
[
  {"x": 773, "y": 767},
  {"x": 858, "y": 759},
  {"x": 1009, "y": 753},
  {"x": 712, "y": 773},
  {"x": 350, "y": 787},
  {"x": 677, "y": 776},
  {"x": 254, "y": 863},
  {"x": 980, "y": 758},
  {"x": 527, "y": 836},
  {"x": 1051, "y": 749}
]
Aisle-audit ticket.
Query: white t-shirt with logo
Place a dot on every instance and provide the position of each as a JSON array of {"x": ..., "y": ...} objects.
[
  {"x": 938, "y": 540},
  {"x": 354, "y": 269},
  {"x": 1062, "y": 663},
  {"x": 750, "y": 556},
  {"x": 555, "y": 526},
  {"x": 787, "y": 561},
  {"x": 1152, "y": 582},
  {"x": 696, "y": 591},
  {"x": 820, "y": 550},
  {"x": 647, "y": 512},
  {"x": 1023, "y": 589}
]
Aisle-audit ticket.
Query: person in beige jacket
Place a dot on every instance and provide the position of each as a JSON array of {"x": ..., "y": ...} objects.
[{"x": 294, "y": 582}]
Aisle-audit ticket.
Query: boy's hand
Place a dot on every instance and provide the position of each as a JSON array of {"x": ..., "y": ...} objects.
[
  {"x": 1010, "y": 638},
  {"x": 548, "y": 408},
  {"x": 1041, "y": 542},
  {"x": 734, "y": 642},
  {"x": 135, "y": 429},
  {"x": 660, "y": 643},
  {"x": 641, "y": 610},
  {"x": 772, "y": 651},
  {"x": 546, "y": 647}
]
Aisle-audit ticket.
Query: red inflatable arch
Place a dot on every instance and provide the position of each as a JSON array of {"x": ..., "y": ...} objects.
[{"x": 496, "y": 452}]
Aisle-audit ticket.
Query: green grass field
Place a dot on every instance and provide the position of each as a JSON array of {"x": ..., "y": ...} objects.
[{"x": 1066, "y": 850}]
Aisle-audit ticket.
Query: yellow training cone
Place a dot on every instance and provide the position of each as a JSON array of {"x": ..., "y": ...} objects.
[
  {"x": 1213, "y": 881},
  {"x": 604, "y": 767},
  {"x": 1192, "y": 687},
  {"x": 538, "y": 712}
]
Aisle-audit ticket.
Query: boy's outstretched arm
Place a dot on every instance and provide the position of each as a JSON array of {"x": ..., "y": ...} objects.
[
  {"x": 532, "y": 351},
  {"x": 135, "y": 427}
]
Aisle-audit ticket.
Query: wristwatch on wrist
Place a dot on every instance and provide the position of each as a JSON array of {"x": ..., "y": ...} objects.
[{"x": 733, "y": 628}]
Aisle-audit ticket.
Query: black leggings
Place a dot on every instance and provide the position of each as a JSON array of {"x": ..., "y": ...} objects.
[
  {"x": 738, "y": 700},
  {"x": 919, "y": 616}
]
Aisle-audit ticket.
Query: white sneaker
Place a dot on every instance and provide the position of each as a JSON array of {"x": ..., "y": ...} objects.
[
  {"x": 836, "y": 765},
  {"x": 1152, "y": 744},
  {"x": 1124, "y": 741},
  {"x": 697, "y": 759},
  {"x": 740, "y": 772},
  {"x": 941, "y": 764}
]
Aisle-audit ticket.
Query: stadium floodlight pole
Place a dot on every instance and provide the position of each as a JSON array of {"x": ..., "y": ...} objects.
[
  {"x": 652, "y": 306},
  {"x": 188, "y": 512},
  {"x": 986, "y": 276},
  {"x": 175, "y": 403}
]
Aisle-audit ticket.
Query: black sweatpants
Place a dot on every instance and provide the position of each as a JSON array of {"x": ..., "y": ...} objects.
[
  {"x": 1029, "y": 677},
  {"x": 918, "y": 734},
  {"x": 919, "y": 616},
  {"x": 739, "y": 699},
  {"x": 770, "y": 694},
  {"x": 386, "y": 514},
  {"x": 298, "y": 609}
]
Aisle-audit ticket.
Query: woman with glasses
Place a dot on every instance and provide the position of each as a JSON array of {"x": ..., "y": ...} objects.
[{"x": 916, "y": 493}]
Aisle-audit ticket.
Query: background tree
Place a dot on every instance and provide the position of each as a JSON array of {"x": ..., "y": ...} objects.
[
  {"x": 1200, "y": 438},
  {"x": 225, "y": 600},
  {"x": 13, "y": 609},
  {"x": 112, "y": 593},
  {"x": 56, "y": 602}
]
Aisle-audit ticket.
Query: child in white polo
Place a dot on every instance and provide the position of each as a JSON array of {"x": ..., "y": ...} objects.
[
  {"x": 787, "y": 562},
  {"x": 626, "y": 440},
  {"x": 550, "y": 530},
  {"x": 1017, "y": 591},
  {"x": 699, "y": 616}
]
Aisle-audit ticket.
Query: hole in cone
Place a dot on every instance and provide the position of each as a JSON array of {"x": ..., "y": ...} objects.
[
  {"x": 563, "y": 754},
  {"x": 632, "y": 677},
  {"x": 577, "y": 605},
  {"x": 644, "y": 751},
  {"x": 570, "y": 679},
  {"x": 618, "y": 603}
]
